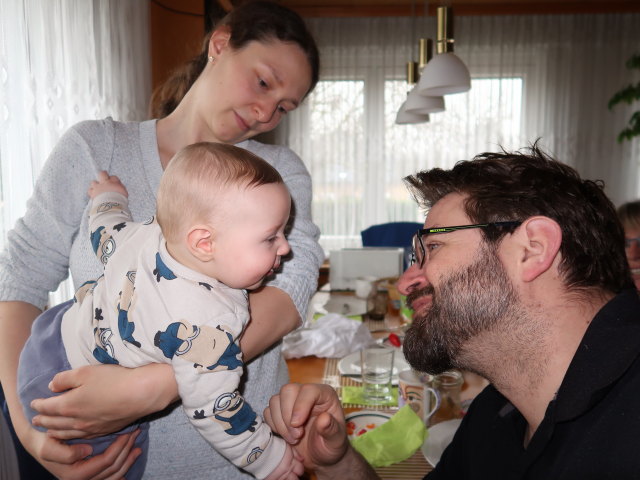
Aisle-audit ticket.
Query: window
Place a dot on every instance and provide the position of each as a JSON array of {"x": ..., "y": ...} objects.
[{"x": 358, "y": 156}]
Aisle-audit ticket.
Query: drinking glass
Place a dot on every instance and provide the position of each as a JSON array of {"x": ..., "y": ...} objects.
[{"x": 377, "y": 370}]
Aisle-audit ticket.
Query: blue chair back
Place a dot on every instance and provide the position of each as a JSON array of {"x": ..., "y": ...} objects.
[{"x": 392, "y": 234}]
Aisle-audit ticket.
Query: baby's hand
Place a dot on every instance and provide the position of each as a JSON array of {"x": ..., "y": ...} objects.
[
  {"x": 106, "y": 183},
  {"x": 290, "y": 467}
]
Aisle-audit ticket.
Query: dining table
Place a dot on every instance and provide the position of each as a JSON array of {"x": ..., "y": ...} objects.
[{"x": 315, "y": 369}]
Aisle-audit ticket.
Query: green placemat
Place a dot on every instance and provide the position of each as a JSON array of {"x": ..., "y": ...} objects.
[
  {"x": 353, "y": 394},
  {"x": 317, "y": 316}
]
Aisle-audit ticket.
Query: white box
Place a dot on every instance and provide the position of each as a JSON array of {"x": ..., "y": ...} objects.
[{"x": 350, "y": 263}]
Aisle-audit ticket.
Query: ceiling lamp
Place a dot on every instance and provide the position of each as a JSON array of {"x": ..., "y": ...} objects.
[
  {"x": 416, "y": 102},
  {"x": 403, "y": 116},
  {"x": 445, "y": 73}
]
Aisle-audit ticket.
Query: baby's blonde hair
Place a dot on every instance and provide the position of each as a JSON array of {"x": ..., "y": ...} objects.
[{"x": 195, "y": 177}]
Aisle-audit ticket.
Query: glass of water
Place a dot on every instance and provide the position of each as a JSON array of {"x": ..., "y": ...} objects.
[{"x": 377, "y": 370}]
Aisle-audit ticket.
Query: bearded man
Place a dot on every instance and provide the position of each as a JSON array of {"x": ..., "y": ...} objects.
[{"x": 519, "y": 275}]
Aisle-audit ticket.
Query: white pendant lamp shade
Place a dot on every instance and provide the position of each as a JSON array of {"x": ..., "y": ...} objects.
[
  {"x": 443, "y": 75},
  {"x": 417, "y": 103},
  {"x": 403, "y": 117}
]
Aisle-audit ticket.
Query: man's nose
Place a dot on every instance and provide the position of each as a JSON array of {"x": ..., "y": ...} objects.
[{"x": 412, "y": 279}]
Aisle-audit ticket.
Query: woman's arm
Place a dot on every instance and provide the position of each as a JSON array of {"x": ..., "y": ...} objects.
[
  {"x": 64, "y": 461},
  {"x": 35, "y": 260},
  {"x": 91, "y": 407},
  {"x": 273, "y": 315},
  {"x": 15, "y": 334}
]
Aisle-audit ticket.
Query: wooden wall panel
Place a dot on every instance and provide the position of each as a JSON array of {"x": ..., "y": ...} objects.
[{"x": 177, "y": 30}]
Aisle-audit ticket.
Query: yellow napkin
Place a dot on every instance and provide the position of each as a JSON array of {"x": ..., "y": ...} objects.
[{"x": 393, "y": 441}]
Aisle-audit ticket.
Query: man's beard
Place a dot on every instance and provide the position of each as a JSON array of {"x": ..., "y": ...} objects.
[{"x": 467, "y": 303}]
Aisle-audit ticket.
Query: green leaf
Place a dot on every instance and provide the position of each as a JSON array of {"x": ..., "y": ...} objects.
[
  {"x": 628, "y": 95},
  {"x": 632, "y": 129},
  {"x": 634, "y": 61}
]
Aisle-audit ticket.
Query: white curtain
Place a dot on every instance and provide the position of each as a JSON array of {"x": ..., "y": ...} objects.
[
  {"x": 534, "y": 76},
  {"x": 63, "y": 61}
]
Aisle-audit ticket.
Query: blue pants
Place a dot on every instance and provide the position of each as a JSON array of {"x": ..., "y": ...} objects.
[{"x": 42, "y": 357}]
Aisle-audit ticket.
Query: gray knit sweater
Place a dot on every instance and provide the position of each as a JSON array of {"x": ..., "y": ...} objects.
[{"x": 53, "y": 238}]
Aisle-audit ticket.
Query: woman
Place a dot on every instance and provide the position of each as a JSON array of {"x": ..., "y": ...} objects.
[
  {"x": 629, "y": 215},
  {"x": 258, "y": 64}
]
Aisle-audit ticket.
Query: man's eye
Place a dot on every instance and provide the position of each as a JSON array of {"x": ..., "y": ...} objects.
[
  {"x": 431, "y": 246},
  {"x": 262, "y": 83},
  {"x": 282, "y": 110}
]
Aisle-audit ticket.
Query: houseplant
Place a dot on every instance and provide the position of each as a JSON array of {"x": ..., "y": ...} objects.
[{"x": 628, "y": 95}]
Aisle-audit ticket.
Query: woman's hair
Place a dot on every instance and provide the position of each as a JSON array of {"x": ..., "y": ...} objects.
[
  {"x": 260, "y": 21},
  {"x": 629, "y": 214},
  {"x": 515, "y": 186},
  {"x": 195, "y": 177}
]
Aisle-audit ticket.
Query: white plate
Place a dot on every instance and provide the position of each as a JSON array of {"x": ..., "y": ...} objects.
[
  {"x": 346, "y": 305},
  {"x": 440, "y": 436},
  {"x": 350, "y": 365},
  {"x": 362, "y": 421}
]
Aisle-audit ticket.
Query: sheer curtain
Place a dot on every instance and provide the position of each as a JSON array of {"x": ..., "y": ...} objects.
[
  {"x": 63, "y": 61},
  {"x": 534, "y": 76}
]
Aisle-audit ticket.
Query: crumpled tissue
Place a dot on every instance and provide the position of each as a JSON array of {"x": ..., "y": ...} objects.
[{"x": 330, "y": 336}]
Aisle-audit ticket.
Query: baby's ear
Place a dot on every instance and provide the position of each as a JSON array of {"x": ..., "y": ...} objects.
[{"x": 200, "y": 242}]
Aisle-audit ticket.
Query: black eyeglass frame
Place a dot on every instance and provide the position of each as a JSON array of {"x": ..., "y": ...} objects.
[{"x": 436, "y": 230}]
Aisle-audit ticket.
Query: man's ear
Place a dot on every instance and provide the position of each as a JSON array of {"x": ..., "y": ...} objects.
[
  {"x": 219, "y": 40},
  {"x": 200, "y": 242},
  {"x": 540, "y": 239}
]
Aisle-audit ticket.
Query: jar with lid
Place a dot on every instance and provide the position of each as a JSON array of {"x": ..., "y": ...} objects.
[
  {"x": 377, "y": 302},
  {"x": 449, "y": 386}
]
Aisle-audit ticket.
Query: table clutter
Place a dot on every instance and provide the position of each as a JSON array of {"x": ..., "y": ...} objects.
[{"x": 340, "y": 328}]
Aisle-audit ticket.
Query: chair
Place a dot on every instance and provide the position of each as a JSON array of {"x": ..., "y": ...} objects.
[{"x": 392, "y": 234}]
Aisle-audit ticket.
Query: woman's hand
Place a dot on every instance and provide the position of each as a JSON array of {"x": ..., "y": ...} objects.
[
  {"x": 103, "y": 399},
  {"x": 67, "y": 461}
]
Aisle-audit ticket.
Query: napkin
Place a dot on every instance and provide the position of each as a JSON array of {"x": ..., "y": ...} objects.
[
  {"x": 393, "y": 441},
  {"x": 331, "y": 336}
]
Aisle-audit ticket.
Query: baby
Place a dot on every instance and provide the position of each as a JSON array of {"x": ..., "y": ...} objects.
[{"x": 175, "y": 291}]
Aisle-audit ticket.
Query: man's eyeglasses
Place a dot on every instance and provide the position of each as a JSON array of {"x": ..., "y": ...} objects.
[
  {"x": 628, "y": 242},
  {"x": 419, "y": 253}
]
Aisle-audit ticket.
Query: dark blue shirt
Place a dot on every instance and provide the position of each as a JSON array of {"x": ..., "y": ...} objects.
[{"x": 591, "y": 430}]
